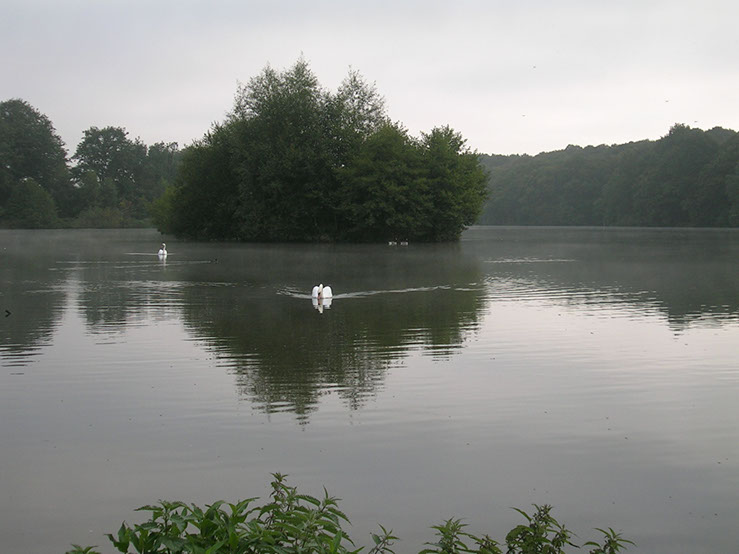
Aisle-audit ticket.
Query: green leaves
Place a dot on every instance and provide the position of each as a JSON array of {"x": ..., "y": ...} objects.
[
  {"x": 292, "y": 523},
  {"x": 612, "y": 542},
  {"x": 77, "y": 549},
  {"x": 451, "y": 540},
  {"x": 383, "y": 541},
  {"x": 543, "y": 534}
]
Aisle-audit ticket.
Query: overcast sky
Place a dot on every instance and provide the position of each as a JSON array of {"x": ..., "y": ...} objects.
[{"x": 511, "y": 76}]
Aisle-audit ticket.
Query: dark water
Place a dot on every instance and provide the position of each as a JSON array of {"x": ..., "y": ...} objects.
[{"x": 593, "y": 369}]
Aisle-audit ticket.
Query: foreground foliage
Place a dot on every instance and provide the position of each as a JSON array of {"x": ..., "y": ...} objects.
[{"x": 291, "y": 522}]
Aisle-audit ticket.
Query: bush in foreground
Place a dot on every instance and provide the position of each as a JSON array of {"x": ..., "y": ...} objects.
[{"x": 291, "y": 522}]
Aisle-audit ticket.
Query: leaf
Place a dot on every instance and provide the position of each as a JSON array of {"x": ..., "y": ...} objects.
[
  {"x": 214, "y": 548},
  {"x": 524, "y": 514},
  {"x": 173, "y": 543},
  {"x": 308, "y": 498},
  {"x": 336, "y": 542},
  {"x": 339, "y": 513},
  {"x": 77, "y": 549},
  {"x": 148, "y": 508}
]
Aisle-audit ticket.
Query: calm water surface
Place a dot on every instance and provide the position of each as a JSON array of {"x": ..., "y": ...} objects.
[{"x": 593, "y": 369}]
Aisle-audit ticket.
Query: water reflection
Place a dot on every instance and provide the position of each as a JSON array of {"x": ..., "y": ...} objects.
[
  {"x": 251, "y": 304},
  {"x": 689, "y": 275},
  {"x": 32, "y": 298},
  {"x": 287, "y": 356},
  {"x": 321, "y": 304}
]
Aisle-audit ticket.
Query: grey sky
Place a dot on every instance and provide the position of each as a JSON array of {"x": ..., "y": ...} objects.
[{"x": 512, "y": 77}]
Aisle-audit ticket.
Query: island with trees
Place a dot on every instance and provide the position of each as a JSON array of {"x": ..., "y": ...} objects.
[{"x": 295, "y": 162}]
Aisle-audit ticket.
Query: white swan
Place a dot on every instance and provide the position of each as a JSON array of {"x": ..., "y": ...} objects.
[
  {"x": 319, "y": 291},
  {"x": 162, "y": 251}
]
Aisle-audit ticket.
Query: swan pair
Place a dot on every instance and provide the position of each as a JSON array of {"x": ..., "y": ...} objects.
[
  {"x": 162, "y": 251},
  {"x": 322, "y": 297},
  {"x": 319, "y": 291}
]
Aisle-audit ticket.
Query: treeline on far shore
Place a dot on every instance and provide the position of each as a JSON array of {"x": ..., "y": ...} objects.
[
  {"x": 369, "y": 180},
  {"x": 688, "y": 178}
]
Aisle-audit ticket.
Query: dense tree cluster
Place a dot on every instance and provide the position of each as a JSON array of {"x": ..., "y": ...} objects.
[
  {"x": 110, "y": 180},
  {"x": 294, "y": 162},
  {"x": 688, "y": 178}
]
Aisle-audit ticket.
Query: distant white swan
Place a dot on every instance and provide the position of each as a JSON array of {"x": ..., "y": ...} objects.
[
  {"x": 163, "y": 251},
  {"x": 319, "y": 291}
]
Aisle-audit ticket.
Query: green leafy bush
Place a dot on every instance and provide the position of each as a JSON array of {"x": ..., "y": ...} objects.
[{"x": 291, "y": 523}]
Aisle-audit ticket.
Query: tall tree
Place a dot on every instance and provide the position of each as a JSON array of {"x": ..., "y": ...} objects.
[
  {"x": 284, "y": 156},
  {"x": 383, "y": 194},
  {"x": 160, "y": 168},
  {"x": 616, "y": 202},
  {"x": 674, "y": 168},
  {"x": 355, "y": 112},
  {"x": 732, "y": 194},
  {"x": 205, "y": 199},
  {"x": 112, "y": 155},
  {"x": 456, "y": 183},
  {"x": 707, "y": 200},
  {"x": 31, "y": 149},
  {"x": 30, "y": 206}
]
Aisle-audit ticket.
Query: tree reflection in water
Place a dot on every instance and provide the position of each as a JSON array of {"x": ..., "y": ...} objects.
[
  {"x": 286, "y": 355},
  {"x": 253, "y": 307}
]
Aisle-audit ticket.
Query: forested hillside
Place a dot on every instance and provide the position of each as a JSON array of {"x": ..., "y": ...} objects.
[{"x": 688, "y": 178}]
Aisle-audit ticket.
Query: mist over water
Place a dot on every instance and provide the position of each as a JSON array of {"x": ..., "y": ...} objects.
[{"x": 593, "y": 369}]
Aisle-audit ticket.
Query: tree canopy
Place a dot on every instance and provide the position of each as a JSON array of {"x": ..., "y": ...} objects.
[{"x": 295, "y": 162}]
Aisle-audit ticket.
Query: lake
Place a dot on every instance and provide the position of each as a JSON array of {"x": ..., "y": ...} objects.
[{"x": 593, "y": 369}]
